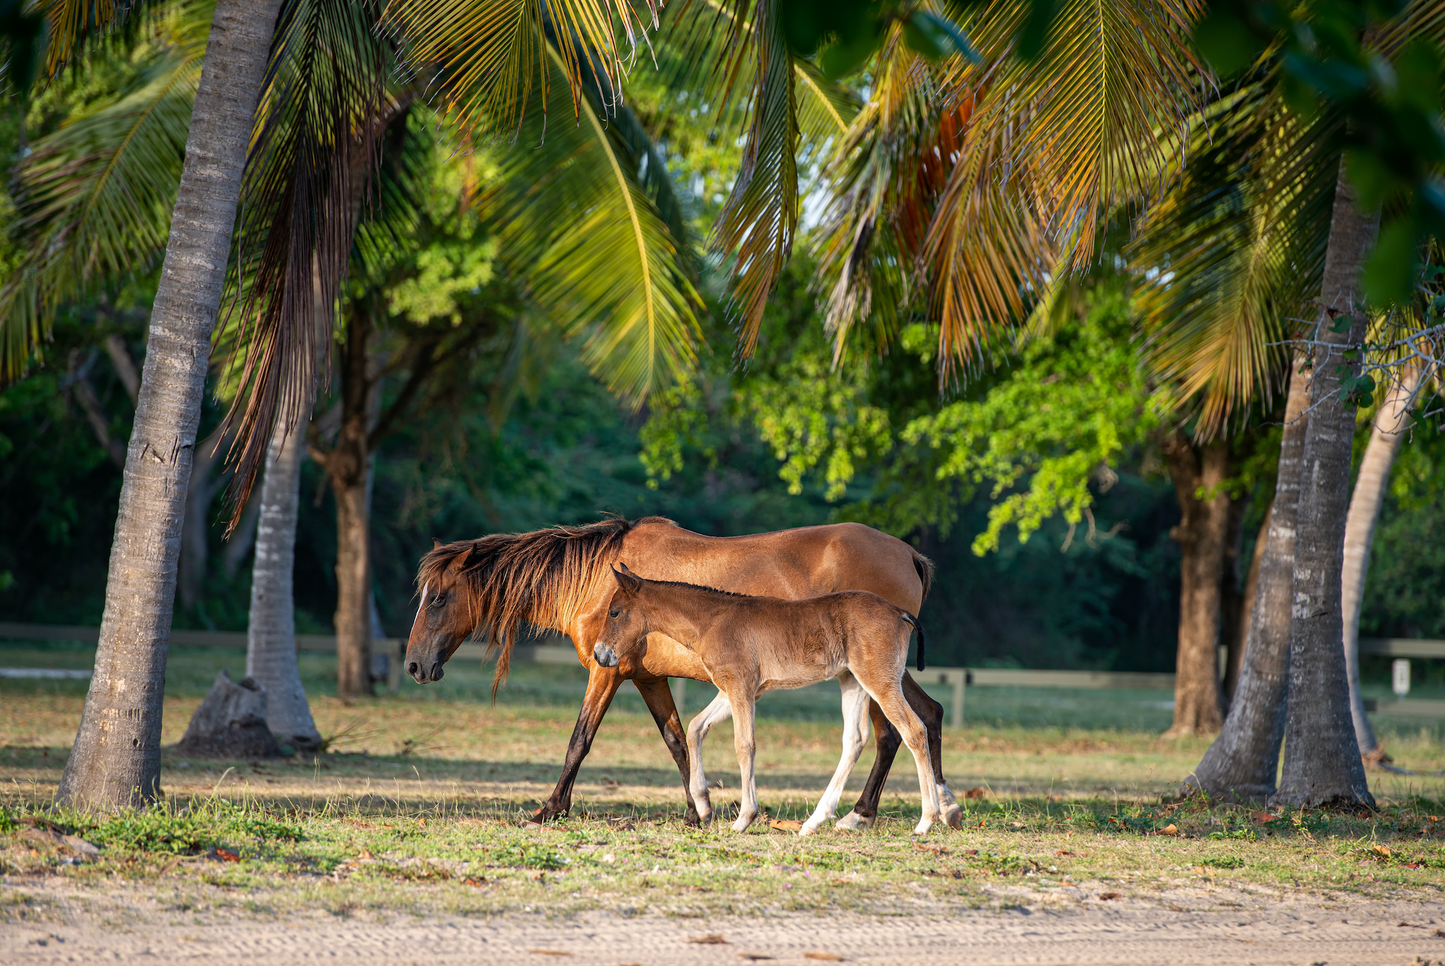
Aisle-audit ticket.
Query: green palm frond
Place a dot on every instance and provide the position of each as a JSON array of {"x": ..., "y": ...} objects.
[
  {"x": 95, "y": 196},
  {"x": 491, "y": 58},
  {"x": 1235, "y": 251},
  {"x": 593, "y": 249},
  {"x": 886, "y": 178},
  {"x": 322, "y": 111},
  {"x": 1037, "y": 154},
  {"x": 760, "y": 217}
]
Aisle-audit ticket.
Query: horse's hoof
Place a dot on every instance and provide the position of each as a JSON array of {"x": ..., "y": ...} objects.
[
  {"x": 742, "y": 823},
  {"x": 953, "y": 815},
  {"x": 854, "y": 822},
  {"x": 692, "y": 819},
  {"x": 923, "y": 827}
]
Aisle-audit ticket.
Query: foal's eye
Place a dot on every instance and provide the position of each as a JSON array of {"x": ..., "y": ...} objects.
[{"x": 614, "y": 614}]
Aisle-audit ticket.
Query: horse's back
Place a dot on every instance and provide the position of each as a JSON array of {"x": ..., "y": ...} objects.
[{"x": 791, "y": 564}]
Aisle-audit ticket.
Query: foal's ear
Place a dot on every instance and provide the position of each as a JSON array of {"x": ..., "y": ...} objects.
[{"x": 628, "y": 582}]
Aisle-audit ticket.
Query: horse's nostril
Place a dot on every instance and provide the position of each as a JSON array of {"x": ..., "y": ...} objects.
[{"x": 412, "y": 667}]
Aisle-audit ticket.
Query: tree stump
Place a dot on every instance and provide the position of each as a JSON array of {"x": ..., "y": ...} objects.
[{"x": 230, "y": 723}]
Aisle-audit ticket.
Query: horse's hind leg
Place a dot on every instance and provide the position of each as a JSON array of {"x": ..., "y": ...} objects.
[
  {"x": 865, "y": 812},
  {"x": 855, "y": 733},
  {"x": 602, "y": 685},
  {"x": 889, "y": 696},
  {"x": 664, "y": 711},
  {"x": 714, "y": 713},
  {"x": 931, "y": 713}
]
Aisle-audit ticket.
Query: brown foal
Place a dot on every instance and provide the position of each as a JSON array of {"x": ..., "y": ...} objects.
[
  {"x": 752, "y": 645},
  {"x": 560, "y": 578}
]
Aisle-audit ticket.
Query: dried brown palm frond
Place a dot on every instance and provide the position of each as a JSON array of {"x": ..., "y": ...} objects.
[{"x": 323, "y": 108}]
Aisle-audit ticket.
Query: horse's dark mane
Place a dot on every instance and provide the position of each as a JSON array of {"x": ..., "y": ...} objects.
[
  {"x": 541, "y": 577},
  {"x": 686, "y": 586}
]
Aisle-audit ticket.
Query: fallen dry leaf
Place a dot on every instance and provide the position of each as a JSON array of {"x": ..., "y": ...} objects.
[
  {"x": 785, "y": 825},
  {"x": 826, "y": 957},
  {"x": 472, "y": 880},
  {"x": 1170, "y": 829},
  {"x": 1264, "y": 817},
  {"x": 979, "y": 792},
  {"x": 1064, "y": 853},
  {"x": 364, "y": 854},
  {"x": 550, "y": 952},
  {"x": 1109, "y": 895},
  {"x": 226, "y": 855},
  {"x": 711, "y": 939}
]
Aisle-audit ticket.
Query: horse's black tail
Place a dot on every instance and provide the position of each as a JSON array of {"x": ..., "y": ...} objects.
[{"x": 913, "y": 622}]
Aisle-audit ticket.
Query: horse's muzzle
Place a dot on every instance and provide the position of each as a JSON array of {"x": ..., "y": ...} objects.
[
  {"x": 604, "y": 655},
  {"x": 423, "y": 673}
]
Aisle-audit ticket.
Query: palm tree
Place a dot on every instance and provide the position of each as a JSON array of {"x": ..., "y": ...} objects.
[
  {"x": 271, "y": 630},
  {"x": 303, "y": 154},
  {"x": 116, "y": 759},
  {"x": 1390, "y": 423}
]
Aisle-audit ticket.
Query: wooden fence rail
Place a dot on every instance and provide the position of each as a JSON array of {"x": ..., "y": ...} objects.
[{"x": 556, "y": 649}]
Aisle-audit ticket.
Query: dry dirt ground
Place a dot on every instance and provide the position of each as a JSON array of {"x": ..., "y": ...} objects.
[{"x": 1177, "y": 926}]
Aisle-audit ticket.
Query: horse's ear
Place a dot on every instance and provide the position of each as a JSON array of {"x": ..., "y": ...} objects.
[
  {"x": 436, "y": 544},
  {"x": 628, "y": 582}
]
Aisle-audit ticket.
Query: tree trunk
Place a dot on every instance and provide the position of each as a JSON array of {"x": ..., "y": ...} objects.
[
  {"x": 1243, "y": 762},
  {"x": 1239, "y": 638},
  {"x": 1365, "y": 503},
  {"x": 346, "y": 467},
  {"x": 116, "y": 759},
  {"x": 1201, "y": 534},
  {"x": 196, "y": 531},
  {"x": 1231, "y": 601},
  {"x": 271, "y": 637},
  {"x": 1322, "y": 763}
]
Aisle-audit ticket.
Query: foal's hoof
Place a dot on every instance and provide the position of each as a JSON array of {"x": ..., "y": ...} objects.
[
  {"x": 853, "y": 822},
  {"x": 953, "y": 815}
]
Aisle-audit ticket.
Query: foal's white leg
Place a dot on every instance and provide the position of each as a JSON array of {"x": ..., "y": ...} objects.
[
  {"x": 746, "y": 745},
  {"x": 855, "y": 733},
  {"x": 714, "y": 713}
]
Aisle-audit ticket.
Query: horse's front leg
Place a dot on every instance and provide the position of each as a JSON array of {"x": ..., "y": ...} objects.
[
  {"x": 716, "y": 712},
  {"x": 659, "y": 701},
  {"x": 602, "y": 685}
]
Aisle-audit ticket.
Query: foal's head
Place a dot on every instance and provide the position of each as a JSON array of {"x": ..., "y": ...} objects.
[
  {"x": 443, "y": 620},
  {"x": 626, "y": 630}
]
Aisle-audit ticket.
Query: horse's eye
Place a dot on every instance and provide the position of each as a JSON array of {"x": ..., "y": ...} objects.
[
  {"x": 614, "y": 614},
  {"x": 438, "y": 600}
]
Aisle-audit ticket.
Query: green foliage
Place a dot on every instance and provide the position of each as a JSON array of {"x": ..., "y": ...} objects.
[
  {"x": 1072, "y": 406},
  {"x": 1380, "y": 65}
]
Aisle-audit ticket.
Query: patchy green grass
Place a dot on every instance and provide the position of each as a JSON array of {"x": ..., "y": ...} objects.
[{"x": 417, "y": 809}]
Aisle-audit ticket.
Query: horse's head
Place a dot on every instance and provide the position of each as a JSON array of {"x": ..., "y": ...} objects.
[
  {"x": 443, "y": 620},
  {"x": 625, "y": 634}
]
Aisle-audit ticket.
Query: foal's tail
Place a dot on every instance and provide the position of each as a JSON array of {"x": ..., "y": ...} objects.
[{"x": 912, "y": 621}]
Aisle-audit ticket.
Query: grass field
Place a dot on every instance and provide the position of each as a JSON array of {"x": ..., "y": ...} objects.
[{"x": 416, "y": 807}]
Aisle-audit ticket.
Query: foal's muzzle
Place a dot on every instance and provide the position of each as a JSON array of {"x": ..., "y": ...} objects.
[{"x": 604, "y": 655}]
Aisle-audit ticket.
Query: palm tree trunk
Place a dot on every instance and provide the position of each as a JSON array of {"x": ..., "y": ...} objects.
[
  {"x": 1201, "y": 534},
  {"x": 271, "y": 636},
  {"x": 1365, "y": 504},
  {"x": 1232, "y": 594},
  {"x": 1321, "y": 756},
  {"x": 1243, "y": 762},
  {"x": 116, "y": 759},
  {"x": 1239, "y": 637}
]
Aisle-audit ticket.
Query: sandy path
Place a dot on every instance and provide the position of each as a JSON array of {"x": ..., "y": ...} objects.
[{"x": 1127, "y": 931}]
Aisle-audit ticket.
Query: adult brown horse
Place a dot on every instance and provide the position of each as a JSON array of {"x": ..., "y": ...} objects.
[{"x": 561, "y": 579}]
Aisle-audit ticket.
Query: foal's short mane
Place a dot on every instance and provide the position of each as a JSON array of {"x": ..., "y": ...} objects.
[{"x": 543, "y": 576}]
